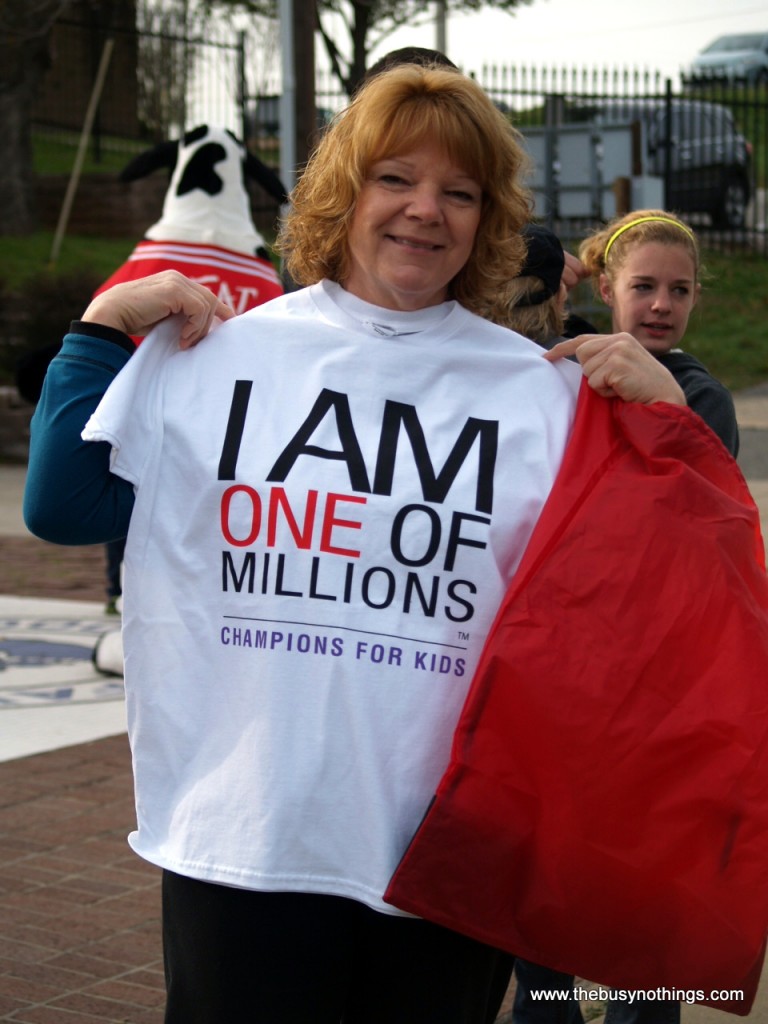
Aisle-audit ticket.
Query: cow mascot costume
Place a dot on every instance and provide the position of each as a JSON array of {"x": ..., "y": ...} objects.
[{"x": 206, "y": 232}]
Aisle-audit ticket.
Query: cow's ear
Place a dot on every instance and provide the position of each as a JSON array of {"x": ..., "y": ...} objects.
[
  {"x": 266, "y": 177},
  {"x": 195, "y": 134},
  {"x": 164, "y": 154}
]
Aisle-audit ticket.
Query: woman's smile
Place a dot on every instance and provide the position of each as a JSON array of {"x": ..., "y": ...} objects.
[{"x": 413, "y": 229}]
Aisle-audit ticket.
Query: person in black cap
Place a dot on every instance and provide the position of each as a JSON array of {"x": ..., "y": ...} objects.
[
  {"x": 421, "y": 55},
  {"x": 538, "y": 295},
  {"x": 537, "y": 298}
]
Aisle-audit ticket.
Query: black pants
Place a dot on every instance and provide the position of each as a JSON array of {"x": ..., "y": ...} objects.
[
  {"x": 239, "y": 957},
  {"x": 115, "y": 552}
]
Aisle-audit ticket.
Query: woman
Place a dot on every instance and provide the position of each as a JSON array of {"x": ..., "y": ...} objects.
[{"x": 326, "y": 503}]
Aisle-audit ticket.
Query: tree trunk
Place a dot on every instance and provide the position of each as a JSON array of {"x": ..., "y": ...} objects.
[
  {"x": 24, "y": 59},
  {"x": 16, "y": 173}
]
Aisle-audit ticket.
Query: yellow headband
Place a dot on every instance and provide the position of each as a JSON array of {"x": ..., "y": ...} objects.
[{"x": 645, "y": 220}]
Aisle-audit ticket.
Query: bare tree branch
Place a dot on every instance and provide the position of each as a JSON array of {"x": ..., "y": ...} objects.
[{"x": 360, "y": 19}]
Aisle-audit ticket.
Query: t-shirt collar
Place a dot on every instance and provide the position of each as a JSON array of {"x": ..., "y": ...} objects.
[{"x": 386, "y": 323}]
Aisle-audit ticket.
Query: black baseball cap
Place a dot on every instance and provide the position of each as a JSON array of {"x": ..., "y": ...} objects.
[{"x": 545, "y": 260}]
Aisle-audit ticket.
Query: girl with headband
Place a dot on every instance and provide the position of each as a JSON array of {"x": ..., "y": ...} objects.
[{"x": 645, "y": 266}]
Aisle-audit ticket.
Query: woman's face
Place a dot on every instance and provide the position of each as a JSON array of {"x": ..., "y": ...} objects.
[
  {"x": 652, "y": 295},
  {"x": 412, "y": 230}
]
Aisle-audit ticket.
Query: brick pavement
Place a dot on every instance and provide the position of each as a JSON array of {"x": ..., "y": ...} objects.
[
  {"x": 79, "y": 911},
  {"x": 35, "y": 568}
]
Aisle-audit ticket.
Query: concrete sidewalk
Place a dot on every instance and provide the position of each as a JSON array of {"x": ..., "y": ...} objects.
[{"x": 79, "y": 912}]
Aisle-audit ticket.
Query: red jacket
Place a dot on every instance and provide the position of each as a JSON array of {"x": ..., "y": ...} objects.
[{"x": 605, "y": 811}]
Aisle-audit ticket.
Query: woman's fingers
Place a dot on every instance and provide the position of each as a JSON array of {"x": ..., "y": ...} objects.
[
  {"x": 617, "y": 365},
  {"x": 135, "y": 307}
]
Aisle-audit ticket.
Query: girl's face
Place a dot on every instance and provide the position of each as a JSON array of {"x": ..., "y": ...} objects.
[
  {"x": 413, "y": 229},
  {"x": 652, "y": 295}
]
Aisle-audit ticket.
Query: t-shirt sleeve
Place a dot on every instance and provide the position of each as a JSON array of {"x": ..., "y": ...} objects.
[{"x": 128, "y": 417}]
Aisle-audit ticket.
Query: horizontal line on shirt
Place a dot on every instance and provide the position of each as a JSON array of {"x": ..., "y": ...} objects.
[
  {"x": 267, "y": 273},
  {"x": 246, "y": 259},
  {"x": 346, "y": 629}
]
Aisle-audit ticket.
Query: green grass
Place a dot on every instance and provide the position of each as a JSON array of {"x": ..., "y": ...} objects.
[
  {"x": 727, "y": 329},
  {"x": 55, "y": 153},
  {"x": 22, "y": 258}
]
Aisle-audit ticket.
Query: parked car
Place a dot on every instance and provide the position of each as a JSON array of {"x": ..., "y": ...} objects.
[
  {"x": 739, "y": 57},
  {"x": 710, "y": 161}
]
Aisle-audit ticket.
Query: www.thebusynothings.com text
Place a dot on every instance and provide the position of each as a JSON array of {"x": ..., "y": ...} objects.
[{"x": 630, "y": 995}]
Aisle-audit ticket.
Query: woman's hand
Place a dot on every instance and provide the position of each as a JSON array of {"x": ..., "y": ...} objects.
[
  {"x": 574, "y": 270},
  {"x": 617, "y": 366},
  {"x": 135, "y": 307}
]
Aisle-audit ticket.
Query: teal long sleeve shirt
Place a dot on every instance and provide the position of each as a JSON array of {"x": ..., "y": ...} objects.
[{"x": 71, "y": 497}]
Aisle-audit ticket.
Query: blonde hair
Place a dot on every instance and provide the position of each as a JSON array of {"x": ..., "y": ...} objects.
[
  {"x": 542, "y": 322},
  {"x": 395, "y": 111},
  {"x": 606, "y": 249}
]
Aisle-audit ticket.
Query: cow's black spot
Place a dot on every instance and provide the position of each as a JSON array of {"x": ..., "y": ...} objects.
[{"x": 199, "y": 171}]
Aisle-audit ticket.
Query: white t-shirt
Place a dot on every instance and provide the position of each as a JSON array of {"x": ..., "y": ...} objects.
[{"x": 331, "y": 499}]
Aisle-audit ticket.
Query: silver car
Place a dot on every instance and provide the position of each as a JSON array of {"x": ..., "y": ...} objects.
[
  {"x": 739, "y": 57},
  {"x": 694, "y": 145}
]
